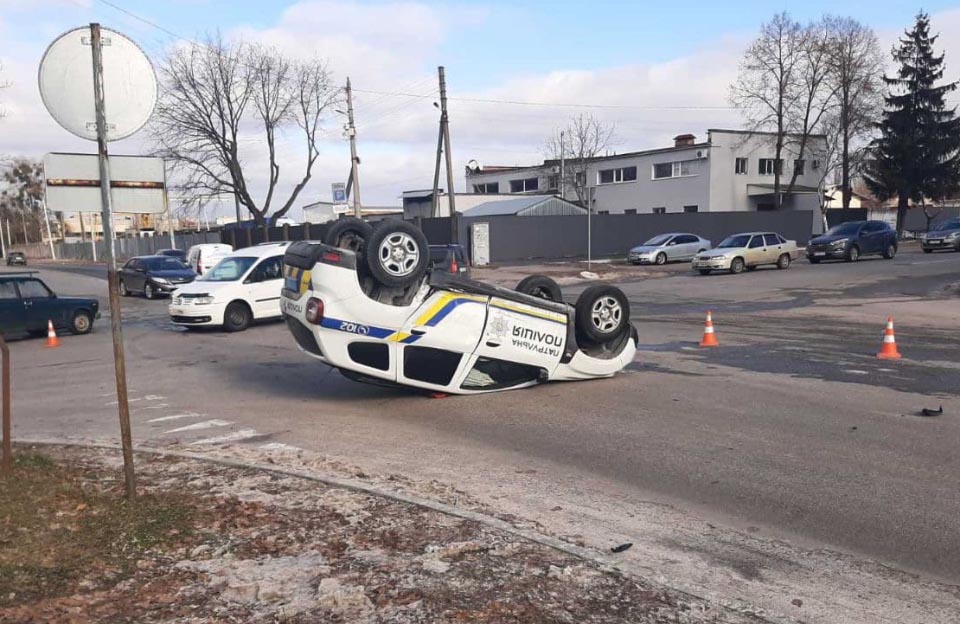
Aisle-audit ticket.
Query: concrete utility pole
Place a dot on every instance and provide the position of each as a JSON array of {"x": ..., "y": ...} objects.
[
  {"x": 46, "y": 219},
  {"x": 445, "y": 127},
  {"x": 3, "y": 244},
  {"x": 112, "y": 283},
  {"x": 563, "y": 180},
  {"x": 354, "y": 161}
]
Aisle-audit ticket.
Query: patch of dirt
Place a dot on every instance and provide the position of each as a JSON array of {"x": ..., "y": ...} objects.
[{"x": 207, "y": 543}]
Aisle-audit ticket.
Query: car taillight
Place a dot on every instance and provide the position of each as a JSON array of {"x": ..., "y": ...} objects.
[
  {"x": 453, "y": 266},
  {"x": 331, "y": 256},
  {"x": 314, "y": 311}
]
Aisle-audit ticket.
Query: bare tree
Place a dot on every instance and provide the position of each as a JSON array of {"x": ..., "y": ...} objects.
[
  {"x": 213, "y": 94},
  {"x": 21, "y": 201},
  {"x": 583, "y": 139},
  {"x": 856, "y": 67},
  {"x": 769, "y": 85}
]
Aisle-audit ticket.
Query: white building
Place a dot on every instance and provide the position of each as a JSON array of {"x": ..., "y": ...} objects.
[{"x": 731, "y": 171}]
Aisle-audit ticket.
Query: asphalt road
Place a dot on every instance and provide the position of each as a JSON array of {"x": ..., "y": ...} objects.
[{"x": 784, "y": 463}]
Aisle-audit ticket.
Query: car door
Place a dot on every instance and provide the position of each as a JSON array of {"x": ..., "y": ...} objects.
[
  {"x": 686, "y": 248},
  {"x": 756, "y": 252},
  {"x": 40, "y": 305},
  {"x": 774, "y": 247},
  {"x": 264, "y": 284},
  {"x": 523, "y": 334},
  {"x": 135, "y": 275},
  {"x": 437, "y": 342},
  {"x": 12, "y": 312},
  {"x": 871, "y": 238}
]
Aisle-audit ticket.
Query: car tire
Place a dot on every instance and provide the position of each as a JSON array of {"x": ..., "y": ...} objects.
[
  {"x": 603, "y": 313},
  {"x": 540, "y": 286},
  {"x": 890, "y": 251},
  {"x": 703, "y": 271},
  {"x": 348, "y": 233},
  {"x": 783, "y": 262},
  {"x": 123, "y": 290},
  {"x": 82, "y": 323},
  {"x": 737, "y": 265},
  {"x": 237, "y": 317},
  {"x": 853, "y": 254},
  {"x": 148, "y": 291},
  {"x": 396, "y": 254},
  {"x": 661, "y": 258}
]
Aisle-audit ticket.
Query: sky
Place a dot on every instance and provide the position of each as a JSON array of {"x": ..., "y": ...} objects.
[{"x": 654, "y": 70}]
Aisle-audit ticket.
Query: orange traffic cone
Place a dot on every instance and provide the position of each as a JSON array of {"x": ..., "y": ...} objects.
[
  {"x": 709, "y": 338},
  {"x": 889, "y": 349},
  {"x": 52, "y": 340}
]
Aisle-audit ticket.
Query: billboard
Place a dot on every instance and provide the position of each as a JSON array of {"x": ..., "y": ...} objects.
[{"x": 72, "y": 183}]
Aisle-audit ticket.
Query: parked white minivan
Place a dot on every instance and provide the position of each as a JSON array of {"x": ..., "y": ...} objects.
[
  {"x": 205, "y": 256},
  {"x": 244, "y": 286}
]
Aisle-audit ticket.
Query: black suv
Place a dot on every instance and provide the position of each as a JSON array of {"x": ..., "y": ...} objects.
[
  {"x": 450, "y": 259},
  {"x": 849, "y": 241},
  {"x": 16, "y": 257},
  {"x": 27, "y": 304}
]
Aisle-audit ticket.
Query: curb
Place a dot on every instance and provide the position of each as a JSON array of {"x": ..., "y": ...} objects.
[{"x": 605, "y": 562}]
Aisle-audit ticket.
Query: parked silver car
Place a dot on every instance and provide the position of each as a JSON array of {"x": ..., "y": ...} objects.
[
  {"x": 665, "y": 248},
  {"x": 944, "y": 235}
]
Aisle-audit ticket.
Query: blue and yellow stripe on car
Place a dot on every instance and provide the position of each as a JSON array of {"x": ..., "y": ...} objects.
[
  {"x": 443, "y": 306},
  {"x": 296, "y": 279}
]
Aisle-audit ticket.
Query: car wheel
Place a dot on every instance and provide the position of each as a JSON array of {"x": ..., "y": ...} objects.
[
  {"x": 661, "y": 258},
  {"x": 540, "y": 286},
  {"x": 396, "y": 253},
  {"x": 148, "y": 291},
  {"x": 853, "y": 254},
  {"x": 603, "y": 313},
  {"x": 783, "y": 262},
  {"x": 82, "y": 323},
  {"x": 348, "y": 233},
  {"x": 890, "y": 251},
  {"x": 704, "y": 271},
  {"x": 737, "y": 266},
  {"x": 236, "y": 317},
  {"x": 123, "y": 290}
]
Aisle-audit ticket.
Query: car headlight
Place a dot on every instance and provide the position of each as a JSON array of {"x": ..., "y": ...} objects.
[
  {"x": 842, "y": 241},
  {"x": 202, "y": 300},
  {"x": 160, "y": 280},
  {"x": 952, "y": 236}
]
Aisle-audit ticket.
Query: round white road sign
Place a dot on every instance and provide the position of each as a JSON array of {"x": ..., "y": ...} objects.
[{"x": 66, "y": 84}]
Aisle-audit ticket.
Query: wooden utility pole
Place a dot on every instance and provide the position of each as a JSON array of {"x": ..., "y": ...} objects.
[
  {"x": 112, "y": 283},
  {"x": 6, "y": 464},
  {"x": 354, "y": 170},
  {"x": 445, "y": 127}
]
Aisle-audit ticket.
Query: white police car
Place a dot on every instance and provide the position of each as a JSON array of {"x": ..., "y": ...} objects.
[{"x": 365, "y": 302}]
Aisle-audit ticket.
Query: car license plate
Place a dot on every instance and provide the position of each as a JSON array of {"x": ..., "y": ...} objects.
[
  {"x": 935, "y": 241},
  {"x": 819, "y": 253}
]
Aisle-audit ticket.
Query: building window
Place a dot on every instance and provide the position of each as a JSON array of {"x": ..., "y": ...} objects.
[
  {"x": 524, "y": 186},
  {"x": 553, "y": 182},
  {"x": 630, "y": 211},
  {"x": 599, "y": 212},
  {"x": 691, "y": 209},
  {"x": 741, "y": 166},
  {"x": 580, "y": 179},
  {"x": 615, "y": 176},
  {"x": 798, "y": 166},
  {"x": 660, "y": 210},
  {"x": 487, "y": 188},
  {"x": 676, "y": 169},
  {"x": 767, "y": 166}
]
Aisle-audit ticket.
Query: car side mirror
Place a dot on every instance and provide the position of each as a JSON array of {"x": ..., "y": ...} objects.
[{"x": 671, "y": 243}]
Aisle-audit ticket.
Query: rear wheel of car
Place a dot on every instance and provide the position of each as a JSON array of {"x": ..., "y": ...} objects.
[
  {"x": 661, "y": 258},
  {"x": 123, "y": 289},
  {"x": 396, "y": 253},
  {"x": 148, "y": 291},
  {"x": 237, "y": 317},
  {"x": 783, "y": 262},
  {"x": 853, "y": 254},
  {"x": 603, "y": 313},
  {"x": 540, "y": 286},
  {"x": 82, "y": 323},
  {"x": 890, "y": 251},
  {"x": 737, "y": 266},
  {"x": 348, "y": 233},
  {"x": 704, "y": 271}
]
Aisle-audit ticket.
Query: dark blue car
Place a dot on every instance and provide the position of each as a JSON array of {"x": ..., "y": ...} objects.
[
  {"x": 154, "y": 275},
  {"x": 27, "y": 305},
  {"x": 849, "y": 241}
]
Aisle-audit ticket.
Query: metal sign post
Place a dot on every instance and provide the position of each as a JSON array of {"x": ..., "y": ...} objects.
[{"x": 112, "y": 282}]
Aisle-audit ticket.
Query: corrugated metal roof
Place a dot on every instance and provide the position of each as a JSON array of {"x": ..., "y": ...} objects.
[{"x": 527, "y": 204}]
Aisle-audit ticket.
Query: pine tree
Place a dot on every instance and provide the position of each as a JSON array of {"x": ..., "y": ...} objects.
[{"x": 917, "y": 155}]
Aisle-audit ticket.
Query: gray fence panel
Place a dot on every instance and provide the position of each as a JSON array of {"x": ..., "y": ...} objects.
[
  {"x": 844, "y": 215},
  {"x": 916, "y": 220}
]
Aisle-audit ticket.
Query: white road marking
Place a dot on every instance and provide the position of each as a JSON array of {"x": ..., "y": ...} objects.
[
  {"x": 854, "y": 371},
  {"x": 236, "y": 436},
  {"x": 157, "y": 406},
  {"x": 279, "y": 446},
  {"x": 153, "y": 397},
  {"x": 174, "y": 417},
  {"x": 206, "y": 424},
  {"x": 887, "y": 370},
  {"x": 129, "y": 400}
]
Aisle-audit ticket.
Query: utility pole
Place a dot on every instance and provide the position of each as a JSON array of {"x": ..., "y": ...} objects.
[
  {"x": 46, "y": 219},
  {"x": 445, "y": 127},
  {"x": 112, "y": 283},
  {"x": 563, "y": 180},
  {"x": 23, "y": 221},
  {"x": 352, "y": 132}
]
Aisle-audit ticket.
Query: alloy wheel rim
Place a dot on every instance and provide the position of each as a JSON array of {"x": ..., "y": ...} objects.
[
  {"x": 399, "y": 254},
  {"x": 606, "y": 314}
]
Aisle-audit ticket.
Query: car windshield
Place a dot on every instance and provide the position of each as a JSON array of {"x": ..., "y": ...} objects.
[
  {"x": 844, "y": 229},
  {"x": 165, "y": 263},
  {"x": 738, "y": 240},
  {"x": 950, "y": 224},
  {"x": 658, "y": 240},
  {"x": 229, "y": 270},
  {"x": 439, "y": 254}
]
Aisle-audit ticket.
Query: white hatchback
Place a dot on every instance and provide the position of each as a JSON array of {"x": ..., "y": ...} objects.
[{"x": 244, "y": 286}]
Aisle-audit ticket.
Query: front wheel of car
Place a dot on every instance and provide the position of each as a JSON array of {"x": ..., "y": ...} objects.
[
  {"x": 396, "y": 253},
  {"x": 737, "y": 266},
  {"x": 236, "y": 317},
  {"x": 703, "y": 271},
  {"x": 783, "y": 262},
  {"x": 853, "y": 254},
  {"x": 661, "y": 258},
  {"x": 603, "y": 312},
  {"x": 148, "y": 291},
  {"x": 348, "y": 233},
  {"x": 540, "y": 286},
  {"x": 82, "y": 323},
  {"x": 123, "y": 290},
  {"x": 890, "y": 251}
]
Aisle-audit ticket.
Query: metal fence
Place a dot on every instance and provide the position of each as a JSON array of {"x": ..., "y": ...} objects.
[{"x": 129, "y": 247}]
